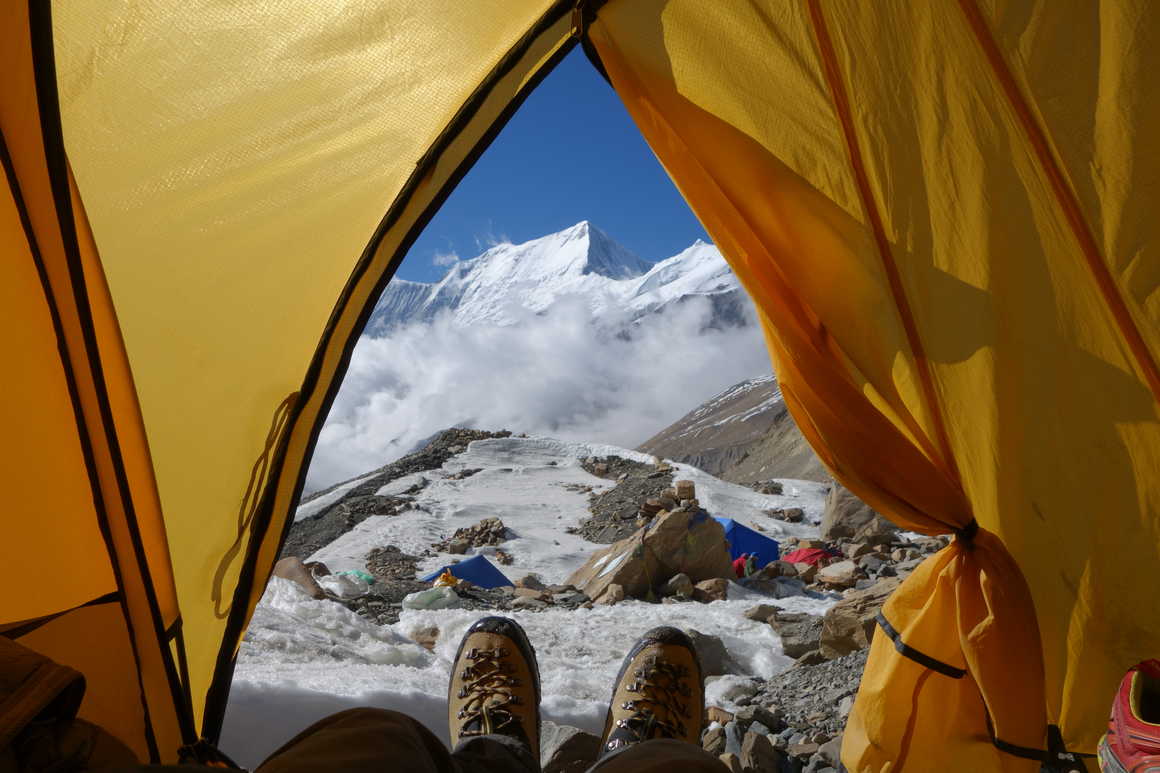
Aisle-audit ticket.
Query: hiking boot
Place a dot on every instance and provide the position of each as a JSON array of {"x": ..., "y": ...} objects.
[
  {"x": 1132, "y": 742},
  {"x": 495, "y": 685},
  {"x": 659, "y": 693}
]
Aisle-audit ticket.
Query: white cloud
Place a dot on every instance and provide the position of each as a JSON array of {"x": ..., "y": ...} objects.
[
  {"x": 490, "y": 238},
  {"x": 445, "y": 258},
  {"x": 554, "y": 373}
]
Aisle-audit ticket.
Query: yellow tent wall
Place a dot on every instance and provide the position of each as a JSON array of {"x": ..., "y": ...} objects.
[
  {"x": 942, "y": 211},
  {"x": 242, "y": 170},
  {"x": 86, "y": 564}
]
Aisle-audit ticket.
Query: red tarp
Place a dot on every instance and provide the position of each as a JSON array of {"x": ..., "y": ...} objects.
[{"x": 808, "y": 555}]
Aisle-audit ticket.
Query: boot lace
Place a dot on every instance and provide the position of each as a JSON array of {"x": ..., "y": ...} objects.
[
  {"x": 663, "y": 707},
  {"x": 488, "y": 686}
]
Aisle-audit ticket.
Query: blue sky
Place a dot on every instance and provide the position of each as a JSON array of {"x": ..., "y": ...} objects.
[{"x": 570, "y": 153}]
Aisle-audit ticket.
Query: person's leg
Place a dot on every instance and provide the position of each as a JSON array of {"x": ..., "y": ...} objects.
[
  {"x": 493, "y": 717},
  {"x": 362, "y": 740},
  {"x": 365, "y": 740},
  {"x": 660, "y": 755},
  {"x": 657, "y": 710}
]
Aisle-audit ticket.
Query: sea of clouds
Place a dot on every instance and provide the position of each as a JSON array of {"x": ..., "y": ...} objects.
[{"x": 555, "y": 373}]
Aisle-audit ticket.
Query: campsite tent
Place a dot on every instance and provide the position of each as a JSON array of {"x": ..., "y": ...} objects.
[
  {"x": 476, "y": 570},
  {"x": 743, "y": 539},
  {"x": 809, "y": 555},
  {"x": 944, "y": 212}
]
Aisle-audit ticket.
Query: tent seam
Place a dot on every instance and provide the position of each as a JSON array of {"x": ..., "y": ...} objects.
[
  {"x": 1065, "y": 197},
  {"x": 893, "y": 276},
  {"x": 52, "y": 137},
  {"x": 83, "y": 437}
]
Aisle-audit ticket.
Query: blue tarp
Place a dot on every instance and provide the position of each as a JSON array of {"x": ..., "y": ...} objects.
[
  {"x": 743, "y": 539},
  {"x": 477, "y": 570}
]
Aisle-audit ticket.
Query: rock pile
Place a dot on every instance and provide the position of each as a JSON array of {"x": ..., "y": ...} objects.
[
  {"x": 531, "y": 594},
  {"x": 615, "y": 512},
  {"x": 767, "y": 487},
  {"x": 682, "y": 541},
  {"x": 792, "y": 722},
  {"x": 814, "y": 697},
  {"x": 787, "y": 514},
  {"x": 489, "y": 531}
]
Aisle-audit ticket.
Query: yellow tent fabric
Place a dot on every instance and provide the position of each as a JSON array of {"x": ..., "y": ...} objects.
[
  {"x": 85, "y": 555},
  {"x": 941, "y": 209},
  {"x": 277, "y": 139},
  {"x": 943, "y": 212},
  {"x": 252, "y": 176}
]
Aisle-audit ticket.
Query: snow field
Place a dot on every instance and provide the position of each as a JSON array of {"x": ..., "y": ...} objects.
[
  {"x": 304, "y": 659},
  {"x": 531, "y": 485}
]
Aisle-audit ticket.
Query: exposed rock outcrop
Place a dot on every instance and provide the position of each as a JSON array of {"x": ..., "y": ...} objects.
[
  {"x": 847, "y": 517},
  {"x": 680, "y": 542}
]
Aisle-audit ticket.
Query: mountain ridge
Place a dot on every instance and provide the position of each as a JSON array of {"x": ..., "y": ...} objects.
[
  {"x": 506, "y": 281},
  {"x": 744, "y": 434}
]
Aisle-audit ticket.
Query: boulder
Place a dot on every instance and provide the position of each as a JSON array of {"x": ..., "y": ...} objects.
[
  {"x": 841, "y": 574},
  {"x": 732, "y": 762},
  {"x": 612, "y": 594},
  {"x": 651, "y": 506},
  {"x": 761, "y": 612},
  {"x": 678, "y": 585},
  {"x": 291, "y": 568},
  {"x": 528, "y": 602},
  {"x": 715, "y": 659},
  {"x": 531, "y": 593},
  {"x": 757, "y": 715},
  {"x": 807, "y": 572},
  {"x": 714, "y": 741},
  {"x": 734, "y": 737},
  {"x": 716, "y": 589},
  {"x": 530, "y": 581},
  {"x": 426, "y": 637},
  {"x": 778, "y": 568},
  {"x": 757, "y": 753},
  {"x": 565, "y": 749},
  {"x": 800, "y": 633},
  {"x": 768, "y": 487},
  {"x": 718, "y": 715},
  {"x": 831, "y": 750},
  {"x": 856, "y": 549},
  {"x": 685, "y": 489},
  {"x": 804, "y": 749},
  {"x": 848, "y": 518},
  {"x": 679, "y": 542},
  {"x": 848, "y": 626}
]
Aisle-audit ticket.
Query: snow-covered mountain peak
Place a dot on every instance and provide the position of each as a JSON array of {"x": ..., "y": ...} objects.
[
  {"x": 507, "y": 280},
  {"x": 575, "y": 251}
]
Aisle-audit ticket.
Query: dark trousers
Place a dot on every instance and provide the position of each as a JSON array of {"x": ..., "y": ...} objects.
[{"x": 379, "y": 741}]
